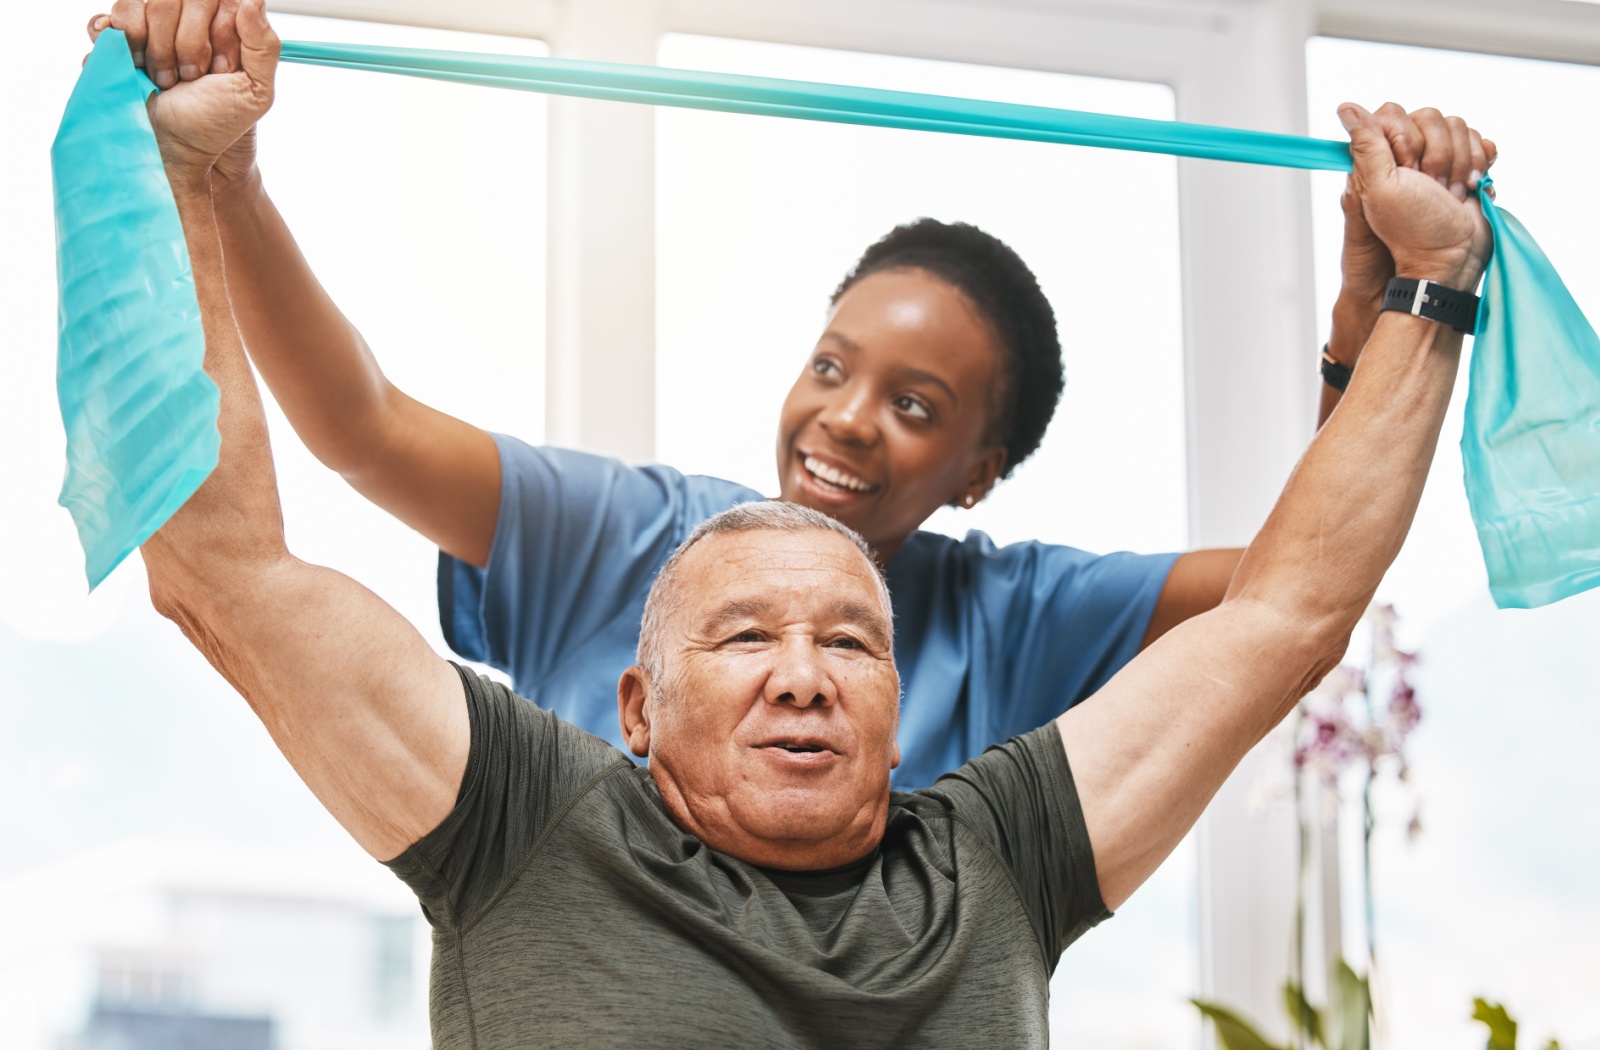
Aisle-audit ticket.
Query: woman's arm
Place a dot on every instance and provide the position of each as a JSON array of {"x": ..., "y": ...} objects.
[{"x": 434, "y": 472}]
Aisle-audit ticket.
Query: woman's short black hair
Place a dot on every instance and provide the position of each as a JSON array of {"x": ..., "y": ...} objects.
[{"x": 1006, "y": 294}]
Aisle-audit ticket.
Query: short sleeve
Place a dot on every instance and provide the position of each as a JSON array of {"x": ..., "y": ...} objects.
[
  {"x": 578, "y": 540},
  {"x": 1066, "y": 620},
  {"x": 1019, "y": 797},
  {"x": 524, "y": 767}
]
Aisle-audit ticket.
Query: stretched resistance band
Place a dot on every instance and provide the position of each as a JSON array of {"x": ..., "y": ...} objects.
[{"x": 140, "y": 413}]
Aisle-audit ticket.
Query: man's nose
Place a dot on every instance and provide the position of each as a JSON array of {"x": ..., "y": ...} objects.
[
  {"x": 800, "y": 676},
  {"x": 848, "y": 417}
]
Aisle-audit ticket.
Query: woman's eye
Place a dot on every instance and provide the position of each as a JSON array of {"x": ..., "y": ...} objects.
[
  {"x": 912, "y": 407},
  {"x": 824, "y": 366}
]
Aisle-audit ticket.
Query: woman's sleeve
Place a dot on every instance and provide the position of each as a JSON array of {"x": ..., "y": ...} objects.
[
  {"x": 579, "y": 538},
  {"x": 1065, "y": 621}
]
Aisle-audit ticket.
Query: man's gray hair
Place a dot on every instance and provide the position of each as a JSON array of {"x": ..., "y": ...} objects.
[{"x": 775, "y": 515}]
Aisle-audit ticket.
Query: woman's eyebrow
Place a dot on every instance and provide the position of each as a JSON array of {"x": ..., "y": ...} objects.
[{"x": 915, "y": 375}]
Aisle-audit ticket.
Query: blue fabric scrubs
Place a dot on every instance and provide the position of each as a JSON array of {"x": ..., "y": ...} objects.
[{"x": 990, "y": 641}]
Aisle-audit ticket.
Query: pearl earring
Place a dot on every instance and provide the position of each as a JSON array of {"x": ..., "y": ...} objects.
[{"x": 969, "y": 501}]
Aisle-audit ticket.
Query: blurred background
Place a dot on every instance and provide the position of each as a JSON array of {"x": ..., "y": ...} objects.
[{"x": 647, "y": 283}]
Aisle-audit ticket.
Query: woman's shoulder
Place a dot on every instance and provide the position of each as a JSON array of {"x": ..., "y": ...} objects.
[
  {"x": 579, "y": 470},
  {"x": 978, "y": 550}
]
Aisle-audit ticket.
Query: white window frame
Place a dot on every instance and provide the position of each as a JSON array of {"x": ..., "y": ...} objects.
[{"x": 1250, "y": 327}]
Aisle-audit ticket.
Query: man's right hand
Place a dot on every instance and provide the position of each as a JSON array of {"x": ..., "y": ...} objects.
[
  {"x": 214, "y": 60},
  {"x": 1430, "y": 222}
]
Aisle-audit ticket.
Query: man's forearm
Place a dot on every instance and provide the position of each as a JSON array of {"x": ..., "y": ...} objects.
[
  {"x": 234, "y": 519},
  {"x": 1345, "y": 512},
  {"x": 319, "y": 368}
]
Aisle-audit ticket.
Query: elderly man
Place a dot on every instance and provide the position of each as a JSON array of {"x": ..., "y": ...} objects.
[{"x": 759, "y": 884}]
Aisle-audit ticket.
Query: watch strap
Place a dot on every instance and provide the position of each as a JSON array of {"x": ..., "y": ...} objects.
[
  {"x": 1334, "y": 374},
  {"x": 1433, "y": 302}
]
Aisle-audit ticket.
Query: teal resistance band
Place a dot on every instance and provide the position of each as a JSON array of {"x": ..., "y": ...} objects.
[
  {"x": 766, "y": 97},
  {"x": 141, "y": 414}
]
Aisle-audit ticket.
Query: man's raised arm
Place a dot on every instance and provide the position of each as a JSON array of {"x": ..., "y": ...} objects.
[
  {"x": 373, "y": 721},
  {"x": 1150, "y": 750},
  {"x": 438, "y": 474}
]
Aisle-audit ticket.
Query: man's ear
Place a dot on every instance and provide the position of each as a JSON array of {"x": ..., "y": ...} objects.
[{"x": 635, "y": 703}]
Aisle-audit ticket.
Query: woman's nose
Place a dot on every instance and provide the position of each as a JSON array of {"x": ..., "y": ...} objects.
[{"x": 848, "y": 419}]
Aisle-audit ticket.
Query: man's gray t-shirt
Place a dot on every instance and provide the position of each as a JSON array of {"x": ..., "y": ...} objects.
[{"x": 569, "y": 911}]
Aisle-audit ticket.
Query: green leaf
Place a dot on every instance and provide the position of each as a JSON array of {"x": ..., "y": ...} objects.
[
  {"x": 1552, "y": 1045},
  {"x": 1502, "y": 1029},
  {"x": 1302, "y": 1014},
  {"x": 1234, "y": 1031},
  {"x": 1349, "y": 1006}
]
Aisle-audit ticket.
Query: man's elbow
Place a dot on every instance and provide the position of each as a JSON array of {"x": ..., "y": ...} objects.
[{"x": 1304, "y": 642}]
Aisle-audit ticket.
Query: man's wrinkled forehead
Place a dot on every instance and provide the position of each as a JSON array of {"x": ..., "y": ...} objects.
[{"x": 765, "y": 573}]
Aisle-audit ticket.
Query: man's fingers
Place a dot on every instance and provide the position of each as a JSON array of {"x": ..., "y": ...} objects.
[
  {"x": 1370, "y": 149},
  {"x": 1404, "y": 136},
  {"x": 1464, "y": 162},
  {"x": 161, "y": 53},
  {"x": 258, "y": 44},
  {"x": 1438, "y": 150},
  {"x": 128, "y": 16},
  {"x": 97, "y": 25},
  {"x": 1491, "y": 152},
  {"x": 1480, "y": 158},
  {"x": 225, "y": 38},
  {"x": 193, "y": 38}
]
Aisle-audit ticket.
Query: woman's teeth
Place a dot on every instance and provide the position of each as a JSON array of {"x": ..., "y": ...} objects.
[{"x": 839, "y": 478}]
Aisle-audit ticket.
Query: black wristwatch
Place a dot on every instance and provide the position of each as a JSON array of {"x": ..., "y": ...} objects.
[
  {"x": 1433, "y": 302},
  {"x": 1333, "y": 373}
]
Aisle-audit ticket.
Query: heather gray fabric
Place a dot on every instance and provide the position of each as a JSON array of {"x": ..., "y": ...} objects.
[{"x": 569, "y": 911}]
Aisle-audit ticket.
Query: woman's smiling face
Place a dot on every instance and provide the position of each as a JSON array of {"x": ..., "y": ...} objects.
[{"x": 890, "y": 418}]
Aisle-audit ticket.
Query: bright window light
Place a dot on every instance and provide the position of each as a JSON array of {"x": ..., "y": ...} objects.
[{"x": 1497, "y": 896}]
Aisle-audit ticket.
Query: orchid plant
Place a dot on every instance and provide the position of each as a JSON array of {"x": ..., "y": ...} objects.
[{"x": 1354, "y": 726}]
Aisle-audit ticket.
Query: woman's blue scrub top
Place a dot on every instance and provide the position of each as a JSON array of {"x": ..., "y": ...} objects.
[{"x": 990, "y": 641}]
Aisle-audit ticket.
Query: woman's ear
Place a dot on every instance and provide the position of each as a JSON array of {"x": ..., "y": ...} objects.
[
  {"x": 982, "y": 477},
  {"x": 635, "y": 703}
]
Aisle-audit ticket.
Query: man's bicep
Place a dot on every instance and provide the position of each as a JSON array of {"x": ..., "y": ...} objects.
[
  {"x": 368, "y": 715},
  {"x": 1150, "y": 749}
]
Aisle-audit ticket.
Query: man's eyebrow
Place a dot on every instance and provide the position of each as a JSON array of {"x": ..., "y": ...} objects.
[
  {"x": 734, "y": 612},
  {"x": 915, "y": 375},
  {"x": 868, "y": 619}
]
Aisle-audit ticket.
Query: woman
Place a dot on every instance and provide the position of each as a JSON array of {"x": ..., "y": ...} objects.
[{"x": 936, "y": 376}]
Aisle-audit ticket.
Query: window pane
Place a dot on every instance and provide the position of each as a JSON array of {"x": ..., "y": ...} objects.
[
  {"x": 1496, "y": 897},
  {"x": 759, "y": 219},
  {"x": 181, "y": 885}
]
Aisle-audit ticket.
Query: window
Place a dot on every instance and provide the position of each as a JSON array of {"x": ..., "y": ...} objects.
[
  {"x": 757, "y": 221},
  {"x": 1496, "y": 897}
]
